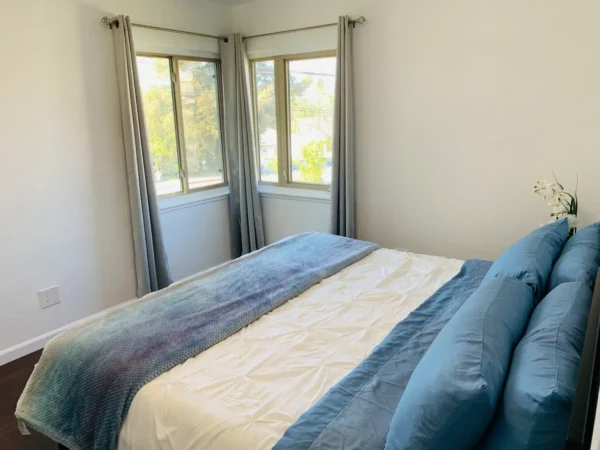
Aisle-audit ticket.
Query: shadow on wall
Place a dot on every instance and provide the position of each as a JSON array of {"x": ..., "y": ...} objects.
[{"x": 107, "y": 189}]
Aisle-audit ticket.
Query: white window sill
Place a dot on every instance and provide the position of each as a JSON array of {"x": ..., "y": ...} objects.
[
  {"x": 168, "y": 204},
  {"x": 289, "y": 193},
  {"x": 174, "y": 203}
]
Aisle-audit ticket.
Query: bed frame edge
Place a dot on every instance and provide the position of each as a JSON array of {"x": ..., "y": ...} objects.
[{"x": 581, "y": 427}]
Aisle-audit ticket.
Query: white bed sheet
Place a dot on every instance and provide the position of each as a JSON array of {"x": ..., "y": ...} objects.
[{"x": 244, "y": 392}]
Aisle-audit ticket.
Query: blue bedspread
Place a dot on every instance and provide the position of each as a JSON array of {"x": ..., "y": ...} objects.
[
  {"x": 356, "y": 413},
  {"x": 81, "y": 390}
]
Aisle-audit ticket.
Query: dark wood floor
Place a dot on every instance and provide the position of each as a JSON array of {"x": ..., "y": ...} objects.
[{"x": 13, "y": 377}]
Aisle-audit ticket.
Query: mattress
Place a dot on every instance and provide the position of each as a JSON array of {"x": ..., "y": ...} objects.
[{"x": 244, "y": 392}]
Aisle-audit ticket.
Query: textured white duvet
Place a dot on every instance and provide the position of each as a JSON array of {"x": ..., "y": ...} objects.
[{"x": 244, "y": 392}]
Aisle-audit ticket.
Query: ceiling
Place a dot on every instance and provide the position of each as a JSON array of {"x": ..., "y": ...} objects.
[{"x": 231, "y": 2}]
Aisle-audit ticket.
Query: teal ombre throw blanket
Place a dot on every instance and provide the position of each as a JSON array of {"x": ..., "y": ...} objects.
[{"x": 83, "y": 386}]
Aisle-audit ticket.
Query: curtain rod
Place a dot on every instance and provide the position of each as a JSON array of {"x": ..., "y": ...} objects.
[
  {"x": 361, "y": 20},
  {"x": 115, "y": 22}
]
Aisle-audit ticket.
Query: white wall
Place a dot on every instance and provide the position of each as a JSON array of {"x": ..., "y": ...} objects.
[
  {"x": 461, "y": 107},
  {"x": 65, "y": 213},
  {"x": 197, "y": 234},
  {"x": 286, "y": 214}
]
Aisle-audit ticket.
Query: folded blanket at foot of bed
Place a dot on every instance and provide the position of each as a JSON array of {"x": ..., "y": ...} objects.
[{"x": 83, "y": 386}]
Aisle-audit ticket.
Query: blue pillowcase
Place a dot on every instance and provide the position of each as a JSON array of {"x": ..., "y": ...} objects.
[
  {"x": 531, "y": 259},
  {"x": 452, "y": 394},
  {"x": 580, "y": 259},
  {"x": 538, "y": 398}
]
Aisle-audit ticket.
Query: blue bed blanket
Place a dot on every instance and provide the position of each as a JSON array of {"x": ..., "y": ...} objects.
[
  {"x": 83, "y": 386},
  {"x": 356, "y": 413}
]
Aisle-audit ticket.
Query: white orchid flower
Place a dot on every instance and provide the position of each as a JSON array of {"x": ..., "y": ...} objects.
[
  {"x": 558, "y": 210},
  {"x": 554, "y": 187},
  {"x": 551, "y": 201},
  {"x": 561, "y": 203},
  {"x": 565, "y": 200},
  {"x": 540, "y": 188}
]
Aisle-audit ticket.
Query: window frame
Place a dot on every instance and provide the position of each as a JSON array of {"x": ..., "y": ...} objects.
[
  {"x": 283, "y": 117},
  {"x": 178, "y": 120}
]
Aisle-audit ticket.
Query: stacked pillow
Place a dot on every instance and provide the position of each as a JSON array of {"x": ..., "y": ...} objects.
[
  {"x": 451, "y": 396},
  {"x": 539, "y": 393},
  {"x": 580, "y": 259},
  {"x": 532, "y": 258},
  {"x": 540, "y": 390}
]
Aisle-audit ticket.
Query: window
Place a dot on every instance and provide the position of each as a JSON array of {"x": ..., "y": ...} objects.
[
  {"x": 294, "y": 100},
  {"x": 182, "y": 105}
]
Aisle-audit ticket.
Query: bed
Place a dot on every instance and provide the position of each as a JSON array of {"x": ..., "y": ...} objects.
[
  {"x": 250, "y": 391},
  {"x": 254, "y": 385}
]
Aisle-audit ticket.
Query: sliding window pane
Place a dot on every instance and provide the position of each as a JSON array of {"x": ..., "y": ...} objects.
[
  {"x": 157, "y": 93},
  {"x": 199, "y": 84},
  {"x": 264, "y": 89},
  {"x": 311, "y": 99}
]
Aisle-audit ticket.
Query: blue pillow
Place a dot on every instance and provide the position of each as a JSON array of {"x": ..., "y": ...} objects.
[
  {"x": 580, "y": 259},
  {"x": 531, "y": 259},
  {"x": 452, "y": 394},
  {"x": 536, "y": 406}
]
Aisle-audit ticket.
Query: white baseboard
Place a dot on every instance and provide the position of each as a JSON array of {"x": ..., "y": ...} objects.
[
  {"x": 37, "y": 343},
  {"x": 30, "y": 346}
]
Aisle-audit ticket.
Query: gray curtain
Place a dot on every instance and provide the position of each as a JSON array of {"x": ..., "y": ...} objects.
[
  {"x": 246, "y": 217},
  {"x": 343, "y": 190},
  {"x": 151, "y": 264}
]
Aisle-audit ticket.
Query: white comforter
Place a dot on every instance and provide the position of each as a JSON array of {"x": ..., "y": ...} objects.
[{"x": 244, "y": 392}]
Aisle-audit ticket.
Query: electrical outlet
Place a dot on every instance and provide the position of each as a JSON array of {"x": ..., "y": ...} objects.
[{"x": 49, "y": 297}]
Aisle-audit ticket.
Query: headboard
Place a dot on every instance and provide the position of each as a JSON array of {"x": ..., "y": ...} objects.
[{"x": 583, "y": 417}]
